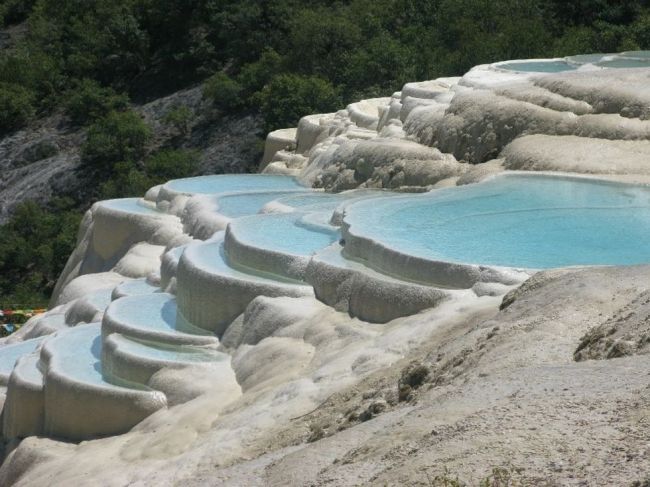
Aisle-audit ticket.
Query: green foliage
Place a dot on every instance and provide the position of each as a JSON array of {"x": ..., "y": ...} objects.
[
  {"x": 119, "y": 136},
  {"x": 223, "y": 91},
  {"x": 288, "y": 97},
  {"x": 89, "y": 102},
  {"x": 171, "y": 164},
  {"x": 14, "y": 11},
  {"x": 179, "y": 118},
  {"x": 133, "y": 179},
  {"x": 35, "y": 246},
  {"x": 16, "y": 107},
  {"x": 254, "y": 76}
]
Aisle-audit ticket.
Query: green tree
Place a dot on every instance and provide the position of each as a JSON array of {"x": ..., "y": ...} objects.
[
  {"x": 288, "y": 97},
  {"x": 171, "y": 164},
  {"x": 179, "y": 117},
  {"x": 36, "y": 243},
  {"x": 223, "y": 91},
  {"x": 89, "y": 102},
  {"x": 119, "y": 136},
  {"x": 16, "y": 107}
]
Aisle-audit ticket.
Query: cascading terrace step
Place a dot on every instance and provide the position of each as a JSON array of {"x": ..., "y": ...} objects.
[
  {"x": 23, "y": 412},
  {"x": 79, "y": 402},
  {"x": 352, "y": 287},
  {"x": 9, "y": 355},
  {"x": 212, "y": 292},
  {"x": 137, "y": 361},
  {"x": 225, "y": 183},
  {"x": 135, "y": 287},
  {"x": 62, "y": 392},
  {"x": 279, "y": 244},
  {"x": 153, "y": 317},
  {"x": 204, "y": 215}
]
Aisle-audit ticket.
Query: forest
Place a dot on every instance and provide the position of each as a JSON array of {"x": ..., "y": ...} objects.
[{"x": 92, "y": 61}]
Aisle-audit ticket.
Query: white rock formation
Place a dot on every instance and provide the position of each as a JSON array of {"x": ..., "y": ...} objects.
[{"x": 210, "y": 345}]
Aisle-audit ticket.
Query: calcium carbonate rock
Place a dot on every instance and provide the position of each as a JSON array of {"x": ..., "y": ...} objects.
[{"x": 170, "y": 300}]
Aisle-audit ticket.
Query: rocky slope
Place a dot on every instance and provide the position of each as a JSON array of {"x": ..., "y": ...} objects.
[{"x": 43, "y": 160}]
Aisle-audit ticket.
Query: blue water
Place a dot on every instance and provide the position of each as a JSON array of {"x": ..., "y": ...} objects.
[
  {"x": 212, "y": 258},
  {"x": 637, "y": 54},
  {"x": 99, "y": 299},
  {"x": 156, "y": 311},
  {"x": 9, "y": 354},
  {"x": 538, "y": 66},
  {"x": 282, "y": 233},
  {"x": 238, "y": 205},
  {"x": 328, "y": 201},
  {"x": 129, "y": 205},
  {"x": 227, "y": 183},
  {"x": 136, "y": 287},
  {"x": 168, "y": 353},
  {"x": 518, "y": 220},
  {"x": 586, "y": 58},
  {"x": 621, "y": 62},
  {"x": 78, "y": 352}
]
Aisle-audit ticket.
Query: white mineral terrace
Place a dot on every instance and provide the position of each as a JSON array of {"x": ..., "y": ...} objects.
[{"x": 258, "y": 296}]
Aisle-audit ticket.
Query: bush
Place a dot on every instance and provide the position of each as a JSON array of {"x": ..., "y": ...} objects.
[
  {"x": 36, "y": 243},
  {"x": 90, "y": 102},
  {"x": 171, "y": 164},
  {"x": 179, "y": 118},
  {"x": 132, "y": 179},
  {"x": 14, "y": 11},
  {"x": 119, "y": 136},
  {"x": 127, "y": 180},
  {"x": 223, "y": 91},
  {"x": 289, "y": 97},
  {"x": 254, "y": 76},
  {"x": 16, "y": 107}
]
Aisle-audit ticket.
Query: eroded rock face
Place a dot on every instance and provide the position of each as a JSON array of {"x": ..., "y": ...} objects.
[
  {"x": 386, "y": 163},
  {"x": 627, "y": 332},
  {"x": 577, "y": 154}
]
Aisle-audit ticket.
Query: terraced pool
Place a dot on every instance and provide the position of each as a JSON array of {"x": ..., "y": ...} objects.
[
  {"x": 231, "y": 183},
  {"x": 525, "y": 221}
]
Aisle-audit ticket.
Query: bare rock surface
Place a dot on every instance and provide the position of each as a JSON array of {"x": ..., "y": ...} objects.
[
  {"x": 490, "y": 395},
  {"x": 578, "y": 154}
]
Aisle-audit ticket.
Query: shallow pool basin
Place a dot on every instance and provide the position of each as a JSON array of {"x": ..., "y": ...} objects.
[
  {"x": 244, "y": 204},
  {"x": 523, "y": 221},
  {"x": 226, "y": 183},
  {"x": 541, "y": 66}
]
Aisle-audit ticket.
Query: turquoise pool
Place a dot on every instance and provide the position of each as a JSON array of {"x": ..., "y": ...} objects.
[
  {"x": 244, "y": 204},
  {"x": 629, "y": 59},
  {"x": 538, "y": 66},
  {"x": 129, "y": 205},
  {"x": 527, "y": 221},
  {"x": 284, "y": 233},
  {"x": 227, "y": 183}
]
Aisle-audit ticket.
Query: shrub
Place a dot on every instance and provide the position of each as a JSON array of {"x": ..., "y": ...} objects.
[
  {"x": 90, "y": 102},
  {"x": 127, "y": 180},
  {"x": 119, "y": 136},
  {"x": 254, "y": 76},
  {"x": 16, "y": 106},
  {"x": 132, "y": 179},
  {"x": 171, "y": 164},
  {"x": 289, "y": 97},
  {"x": 179, "y": 118},
  {"x": 36, "y": 243},
  {"x": 223, "y": 91}
]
